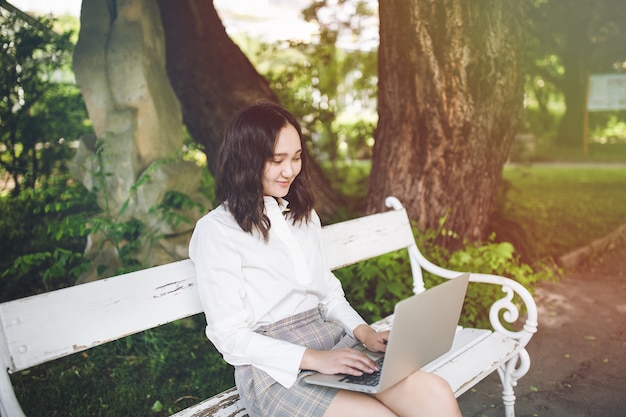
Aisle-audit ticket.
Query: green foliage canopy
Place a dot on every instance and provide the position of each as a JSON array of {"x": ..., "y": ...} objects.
[
  {"x": 41, "y": 110},
  {"x": 329, "y": 81},
  {"x": 567, "y": 41}
]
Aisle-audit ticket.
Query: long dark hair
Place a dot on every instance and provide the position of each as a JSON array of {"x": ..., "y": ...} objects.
[{"x": 248, "y": 144}]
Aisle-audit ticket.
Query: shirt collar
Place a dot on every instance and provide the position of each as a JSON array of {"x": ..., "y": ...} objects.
[{"x": 280, "y": 203}]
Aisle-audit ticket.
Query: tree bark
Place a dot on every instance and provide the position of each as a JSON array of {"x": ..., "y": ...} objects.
[
  {"x": 213, "y": 79},
  {"x": 450, "y": 101}
]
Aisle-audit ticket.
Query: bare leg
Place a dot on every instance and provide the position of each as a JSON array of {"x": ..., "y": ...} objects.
[
  {"x": 421, "y": 394},
  {"x": 357, "y": 404}
]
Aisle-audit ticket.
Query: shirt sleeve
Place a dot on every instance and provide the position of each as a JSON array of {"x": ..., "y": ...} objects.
[
  {"x": 335, "y": 303},
  {"x": 338, "y": 308},
  {"x": 222, "y": 293}
]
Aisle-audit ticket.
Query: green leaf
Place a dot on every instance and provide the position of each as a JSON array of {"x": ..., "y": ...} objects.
[{"x": 157, "y": 406}]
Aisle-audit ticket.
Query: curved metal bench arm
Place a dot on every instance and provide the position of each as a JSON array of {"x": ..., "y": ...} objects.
[
  {"x": 502, "y": 309},
  {"x": 509, "y": 286}
]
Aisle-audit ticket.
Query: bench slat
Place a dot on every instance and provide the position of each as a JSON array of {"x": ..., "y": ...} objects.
[
  {"x": 52, "y": 325},
  {"x": 55, "y": 324},
  {"x": 225, "y": 404},
  {"x": 466, "y": 370},
  {"x": 355, "y": 240}
]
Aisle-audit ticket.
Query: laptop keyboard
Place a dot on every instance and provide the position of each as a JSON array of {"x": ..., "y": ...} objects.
[{"x": 366, "y": 379}]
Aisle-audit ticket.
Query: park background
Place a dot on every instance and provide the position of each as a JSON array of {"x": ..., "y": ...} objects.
[{"x": 562, "y": 186}]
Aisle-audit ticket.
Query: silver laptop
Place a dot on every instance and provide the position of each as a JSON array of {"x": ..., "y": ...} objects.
[{"x": 423, "y": 329}]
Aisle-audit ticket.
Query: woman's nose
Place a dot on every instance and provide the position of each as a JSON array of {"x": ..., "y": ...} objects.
[{"x": 287, "y": 170}]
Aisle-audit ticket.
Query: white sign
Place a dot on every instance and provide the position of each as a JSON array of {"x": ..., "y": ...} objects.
[{"x": 607, "y": 92}]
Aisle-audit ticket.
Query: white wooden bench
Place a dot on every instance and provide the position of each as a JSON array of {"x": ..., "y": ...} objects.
[{"x": 49, "y": 326}]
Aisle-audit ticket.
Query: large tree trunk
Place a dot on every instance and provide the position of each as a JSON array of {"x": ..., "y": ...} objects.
[
  {"x": 138, "y": 129},
  {"x": 450, "y": 101},
  {"x": 213, "y": 79}
]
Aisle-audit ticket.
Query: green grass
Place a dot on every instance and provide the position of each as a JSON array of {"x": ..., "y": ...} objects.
[
  {"x": 563, "y": 207},
  {"x": 154, "y": 373},
  {"x": 596, "y": 153}
]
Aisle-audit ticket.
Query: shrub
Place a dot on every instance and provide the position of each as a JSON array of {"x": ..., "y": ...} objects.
[
  {"x": 376, "y": 285},
  {"x": 32, "y": 262}
]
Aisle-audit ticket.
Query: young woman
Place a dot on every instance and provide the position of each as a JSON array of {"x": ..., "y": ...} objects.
[{"x": 273, "y": 307}]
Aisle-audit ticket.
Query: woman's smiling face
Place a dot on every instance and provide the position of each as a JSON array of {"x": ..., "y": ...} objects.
[{"x": 285, "y": 165}]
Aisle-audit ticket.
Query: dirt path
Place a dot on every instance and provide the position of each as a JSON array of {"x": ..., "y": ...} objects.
[{"x": 578, "y": 356}]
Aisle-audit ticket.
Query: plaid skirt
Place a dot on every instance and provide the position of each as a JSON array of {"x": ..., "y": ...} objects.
[{"x": 264, "y": 397}]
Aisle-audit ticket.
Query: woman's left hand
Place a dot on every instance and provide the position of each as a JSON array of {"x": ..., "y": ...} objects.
[{"x": 373, "y": 340}]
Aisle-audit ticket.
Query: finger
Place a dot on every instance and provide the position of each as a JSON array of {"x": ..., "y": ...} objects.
[
  {"x": 351, "y": 371},
  {"x": 378, "y": 345},
  {"x": 358, "y": 368},
  {"x": 360, "y": 361},
  {"x": 369, "y": 364},
  {"x": 383, "y": 338}
]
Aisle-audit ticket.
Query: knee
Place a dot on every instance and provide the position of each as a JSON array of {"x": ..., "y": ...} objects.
[{"x": 434, "y": 385}]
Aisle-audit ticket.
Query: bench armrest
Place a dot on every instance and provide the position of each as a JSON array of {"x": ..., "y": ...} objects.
[{"x": 510, "y": 287}]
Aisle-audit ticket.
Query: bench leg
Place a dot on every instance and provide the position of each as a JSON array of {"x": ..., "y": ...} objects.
[
  {"x": 510, "y": 372},
  {"x": 9, "y": 405}
]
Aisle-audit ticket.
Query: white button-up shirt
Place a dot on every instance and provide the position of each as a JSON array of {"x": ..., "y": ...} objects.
[{"x": 245, "y": 282}]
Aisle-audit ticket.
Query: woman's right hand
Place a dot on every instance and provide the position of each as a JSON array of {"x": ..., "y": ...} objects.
[{"x": 338, "y": 361}]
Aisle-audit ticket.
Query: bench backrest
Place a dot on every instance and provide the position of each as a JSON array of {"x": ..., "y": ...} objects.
[{"x": 48, "y": 326}]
